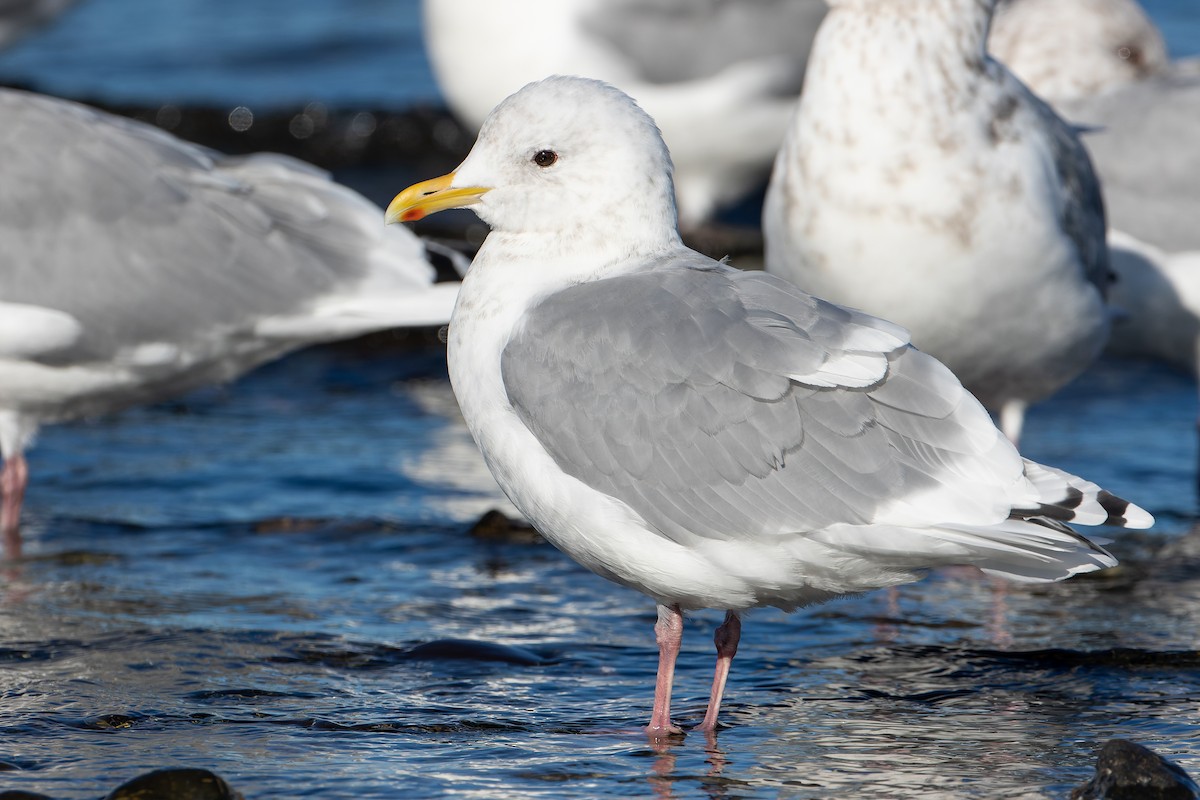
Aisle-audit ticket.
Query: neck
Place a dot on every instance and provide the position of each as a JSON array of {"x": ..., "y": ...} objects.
[
  {"x": 572, "y": 255},
  {"x": 934, "y": 32},
  {"x": 874, "y": 58}
]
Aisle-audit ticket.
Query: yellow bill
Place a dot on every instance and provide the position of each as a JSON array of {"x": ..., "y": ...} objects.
[{"x": 429, "y": 197}]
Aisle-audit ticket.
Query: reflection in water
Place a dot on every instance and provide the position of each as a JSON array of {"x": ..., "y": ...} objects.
[
  {"x": 452, "y": 464},
  {"x": 665, "y": 774},
  {"x": 223, "y": 648},
  {"x": 661, "y": 774}
]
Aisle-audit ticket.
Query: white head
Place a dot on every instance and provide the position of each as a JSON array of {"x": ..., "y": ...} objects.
[
  {"x": 562, "y": 156},
  {"x": 1064, "y": 49}
]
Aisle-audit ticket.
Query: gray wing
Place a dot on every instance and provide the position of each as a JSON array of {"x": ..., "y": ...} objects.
[
  {"x": 144, "y": 238},
  {"x": 1081, "y": 209},
  {"x": 1146, "y": 149},
  {"x": 682, "y": 40},
  {"x": 721, "y": 403}
]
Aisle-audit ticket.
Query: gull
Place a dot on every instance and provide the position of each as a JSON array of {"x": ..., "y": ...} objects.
[
  {"x": 922, "y": 182},
  {"x": 1158, "y": 294},
  {"x": 18, "y": 17},
  {"x": 720, "y": 78},
  {"x": 1104, "y": 67},
  {"x": 708, "y": 436},
  {"x": 135, "y": 266},
  {"x": 1145, "y": 142},
  {"x": 1067, "y": 49}
]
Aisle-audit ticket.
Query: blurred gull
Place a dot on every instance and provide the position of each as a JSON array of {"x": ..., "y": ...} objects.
[
  {"x": 709, "y": 436},
  {"x": 922, "y": 182},
  {"x": 1158, "y": 294},
  {"x": 719, "y": 77},
  {"x": 17, "y": 17},
  {"x": 136, "y": 266},
  {"x": 1104, "y": 66},
  {"x": 1104, "y": 63},
  {"x": 1146, "y": 146},
  {"x": 1067, "y": 49}
]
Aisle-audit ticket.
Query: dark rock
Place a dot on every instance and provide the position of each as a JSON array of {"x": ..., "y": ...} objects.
[
  {"x": 1128, "y": 771},
  {"x": 495, "y": 526},
  {"x": 471, "y": 650},
  {"x": 17, "y": 794},
  {"x": 362, "y": 656},
  {"x": 111, "y": 722},
  {"x": 175, "y": 784}
]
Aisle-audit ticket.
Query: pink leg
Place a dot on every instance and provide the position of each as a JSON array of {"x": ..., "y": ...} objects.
[
  {"x": 668, "y": 632},
  {"x": 13, "y": 479},
  {"x": 998, "y": 625},
  {"x": 726, "y": 639}
]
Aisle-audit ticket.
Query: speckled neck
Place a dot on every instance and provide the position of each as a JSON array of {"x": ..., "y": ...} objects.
[
  {"x": 940, "y": 29},
  {"x": 875, "y": 59}
]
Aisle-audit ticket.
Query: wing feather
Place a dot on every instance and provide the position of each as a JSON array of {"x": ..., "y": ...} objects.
[{"x": 725, "y": 404}]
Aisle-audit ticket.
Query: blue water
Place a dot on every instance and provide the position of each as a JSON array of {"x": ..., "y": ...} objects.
[
  {"x": 237, "y": 580},
  {"x": 233, "y": 582},
  {"x": 264, "y": 53}
]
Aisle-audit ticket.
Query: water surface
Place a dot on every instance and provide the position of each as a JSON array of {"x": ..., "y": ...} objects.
[{"x": 236, "y": 582}]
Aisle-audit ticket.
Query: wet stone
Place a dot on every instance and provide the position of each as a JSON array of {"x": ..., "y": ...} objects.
[
  {"x": 471, "y": 650},
  {"x": 288, "y": 525},
  {"x": 175, "y": 784},
  {"x": 75, "y": 558},
  {"x": 109, "y": 722},
  {"x": 17, "y": 794},
  {"x": 495, "y": 526},
  {"x": 1128, "y": 771}
]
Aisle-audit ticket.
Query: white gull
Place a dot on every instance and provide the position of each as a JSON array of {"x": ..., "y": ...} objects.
[
  {"x": 1067, "y": 49},
  {"x": 720, "y": 78},
  {"x": 1158, "y": 294},
  {"x": 1103, "y": 65},
  {"x": 922, "y": 182},
  {"x": 135, "y": 266},
  {"x": 708, "y": 436}
]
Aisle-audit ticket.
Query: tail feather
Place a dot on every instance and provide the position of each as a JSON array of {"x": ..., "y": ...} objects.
[
  {"x": 1037, "y": 550},
  {"x": 1064, "y": 497},
  {"x": 1032, "y": 550}
]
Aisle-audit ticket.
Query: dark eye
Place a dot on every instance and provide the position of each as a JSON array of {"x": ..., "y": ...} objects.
[
  {"x": 545, "y": 158},
  {"x": 1131, "y": 54}
]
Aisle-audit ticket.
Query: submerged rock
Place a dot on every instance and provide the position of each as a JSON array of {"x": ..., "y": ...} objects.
[
  {"x": 494, "y": 525},
  {"x": 175, "y": 784},
  {"x": 1128, "y": 771},
  {"x": 471, "y": 650}
]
